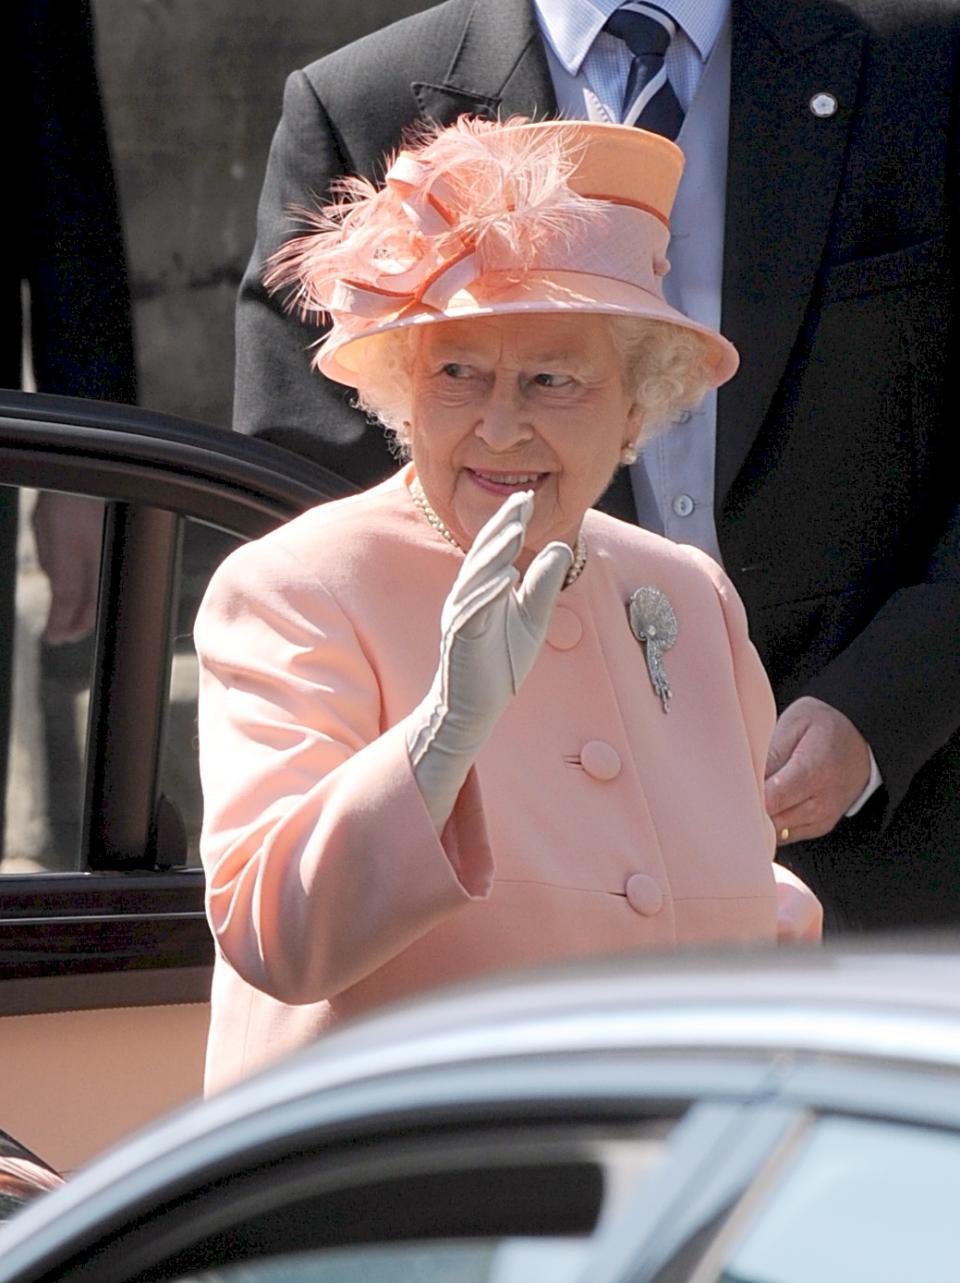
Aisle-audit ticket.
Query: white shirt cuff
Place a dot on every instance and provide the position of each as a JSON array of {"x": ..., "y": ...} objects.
[{"x": 873, "y": 783}]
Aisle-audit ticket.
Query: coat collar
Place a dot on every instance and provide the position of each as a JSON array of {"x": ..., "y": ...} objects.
[
  {"x": 796, "y": 28},
  {"x": 499, "y": 67}
]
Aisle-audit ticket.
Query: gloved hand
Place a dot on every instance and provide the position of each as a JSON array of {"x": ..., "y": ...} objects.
[{"x": 491, "y": 633}]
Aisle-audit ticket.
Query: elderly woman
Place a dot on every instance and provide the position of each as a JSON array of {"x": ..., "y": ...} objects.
[{"x": 462, "y": 721}]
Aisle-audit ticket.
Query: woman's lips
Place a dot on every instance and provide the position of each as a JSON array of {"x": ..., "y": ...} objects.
[{"x": 503, "y": 483}]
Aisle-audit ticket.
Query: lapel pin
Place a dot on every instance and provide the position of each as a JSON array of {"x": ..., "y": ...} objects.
[
  {"x": 654, "y": 624},
  {"x": 823, "y": 105}
]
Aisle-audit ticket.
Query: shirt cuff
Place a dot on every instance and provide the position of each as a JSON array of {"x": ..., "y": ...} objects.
[{"x": 873, "y": 783}]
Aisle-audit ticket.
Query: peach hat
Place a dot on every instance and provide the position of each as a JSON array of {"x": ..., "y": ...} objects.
[{"x": 481, "y": 218}]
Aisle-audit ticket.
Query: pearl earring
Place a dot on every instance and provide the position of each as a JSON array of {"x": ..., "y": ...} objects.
[{"x": 628, "y": 454}]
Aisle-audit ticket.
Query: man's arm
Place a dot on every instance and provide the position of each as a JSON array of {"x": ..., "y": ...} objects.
[
  {"x": 897, "y": 689},
  {"x": 278, "y": 395}
]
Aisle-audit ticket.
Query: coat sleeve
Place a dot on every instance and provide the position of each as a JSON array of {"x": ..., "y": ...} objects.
[
  {"x": 899, "y": 681},
  {"x": 322, "y": 862},
  {"x": 277, "y": 394}
]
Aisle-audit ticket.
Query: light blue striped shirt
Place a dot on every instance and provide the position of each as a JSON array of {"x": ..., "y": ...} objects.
[{"x": 574, "y": 32}]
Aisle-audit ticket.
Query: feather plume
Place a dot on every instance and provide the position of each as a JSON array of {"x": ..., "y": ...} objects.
[
  {"x": 357, "y": 235},
  {"x": 504, "y": 191},
  {"x": 511, "y": 192}
]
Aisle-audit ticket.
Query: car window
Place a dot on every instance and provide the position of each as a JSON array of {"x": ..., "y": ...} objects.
[
  {"x": 860, "y": 1200},
  {"x": 45, "y": 688},
  {"x": 517, "y": 1260},
  {"x": 46, "y": 692}
]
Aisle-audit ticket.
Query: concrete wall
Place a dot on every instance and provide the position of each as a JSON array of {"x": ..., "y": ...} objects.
[{"x": 192, "y": 92}]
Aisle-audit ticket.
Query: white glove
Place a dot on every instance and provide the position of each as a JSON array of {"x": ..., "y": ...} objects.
[
  {"x": 491, "y": 633},
  {"x": 799, "y": 912}
]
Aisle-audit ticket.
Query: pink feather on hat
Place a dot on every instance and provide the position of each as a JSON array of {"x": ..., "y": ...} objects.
[{"x": 503, "y": 192}]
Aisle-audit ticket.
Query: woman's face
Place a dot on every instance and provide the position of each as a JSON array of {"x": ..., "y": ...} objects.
[{"x": 524, "y": 402}]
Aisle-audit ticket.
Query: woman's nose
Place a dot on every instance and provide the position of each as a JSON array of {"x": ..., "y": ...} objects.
[{"x": 504, "y": 422}]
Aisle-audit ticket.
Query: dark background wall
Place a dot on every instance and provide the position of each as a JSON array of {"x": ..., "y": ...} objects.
[{"x": 192, "y": 92}]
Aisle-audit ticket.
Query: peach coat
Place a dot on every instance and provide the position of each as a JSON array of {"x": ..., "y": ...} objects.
[{"x": 592, "y": 821}]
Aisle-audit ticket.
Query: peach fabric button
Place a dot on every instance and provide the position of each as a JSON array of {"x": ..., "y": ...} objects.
[
  {"x": 644, "y": 894},
  {"x": 565, "y": 629},
  {"x": 600, "y": 760}
]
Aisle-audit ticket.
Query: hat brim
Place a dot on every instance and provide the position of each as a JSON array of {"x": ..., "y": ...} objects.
[{"x": 342, "y": 357}]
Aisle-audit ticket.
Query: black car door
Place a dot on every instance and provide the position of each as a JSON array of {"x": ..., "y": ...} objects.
[{"x": 104, "y": 952}]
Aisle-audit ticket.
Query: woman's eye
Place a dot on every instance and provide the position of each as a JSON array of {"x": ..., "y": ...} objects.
[
  {"x": 454, "y": 370},
  {"x": 546, "y": 380}
]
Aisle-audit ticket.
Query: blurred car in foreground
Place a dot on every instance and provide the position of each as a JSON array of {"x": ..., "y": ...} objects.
[{"x": 774, "y": 1118}]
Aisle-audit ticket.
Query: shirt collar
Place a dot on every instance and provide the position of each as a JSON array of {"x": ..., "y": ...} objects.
[{"x": 571, "y": 26}]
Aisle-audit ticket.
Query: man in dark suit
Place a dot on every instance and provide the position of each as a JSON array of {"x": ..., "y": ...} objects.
[
  {"x": 836, "y": 503},
  {"x": 64, "y": 242}
]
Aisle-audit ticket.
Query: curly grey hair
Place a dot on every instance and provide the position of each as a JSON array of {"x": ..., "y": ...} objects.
[{"x": 664, "y": 369}]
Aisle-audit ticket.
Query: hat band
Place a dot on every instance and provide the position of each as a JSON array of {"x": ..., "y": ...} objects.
[{"x": 630, "y": 246}]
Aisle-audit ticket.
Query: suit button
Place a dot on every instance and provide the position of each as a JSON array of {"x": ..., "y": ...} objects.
[
  {"x": 600, "y": 760},
  {"x": 644, "y": 895},
  {"x": 565, "y": 629}
]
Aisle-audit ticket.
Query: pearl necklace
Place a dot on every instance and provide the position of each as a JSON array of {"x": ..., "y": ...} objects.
[{"x": 440, "y": 526}]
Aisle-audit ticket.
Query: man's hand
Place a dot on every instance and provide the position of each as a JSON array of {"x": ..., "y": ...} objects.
[
  {"x": 817, "y": 767},
  {"x": 69, "y": 530}
]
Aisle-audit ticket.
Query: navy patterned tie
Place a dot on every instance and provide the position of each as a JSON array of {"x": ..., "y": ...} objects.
[{"x": 649, "y": 100}]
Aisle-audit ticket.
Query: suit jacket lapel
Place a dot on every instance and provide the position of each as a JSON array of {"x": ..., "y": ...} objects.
[
  {"x": 783, "y": 171},
  {"x": 499, "y": 66}
]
